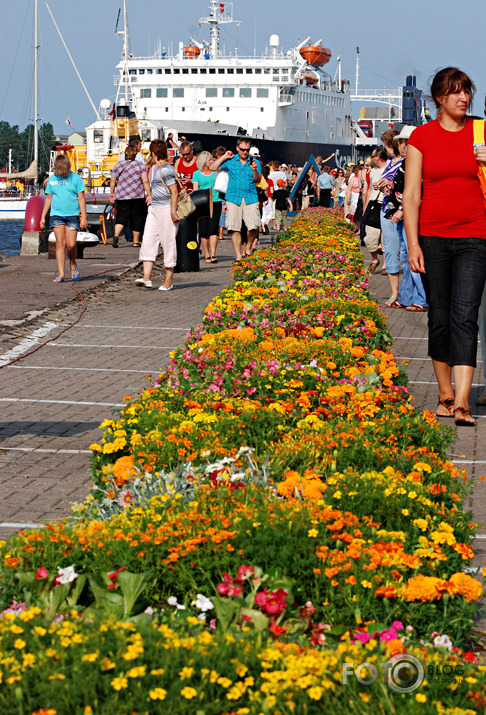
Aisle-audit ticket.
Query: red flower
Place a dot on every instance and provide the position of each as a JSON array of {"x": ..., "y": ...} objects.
[
  {"x": 273, "y": 602},
  {"x": 228, "y": 588},
  {"x": 113, "y": 576},
  {"x": 41, "y": 573},
  {"x": 244, "y": 573},
  {"x": 275, "y": 628}
]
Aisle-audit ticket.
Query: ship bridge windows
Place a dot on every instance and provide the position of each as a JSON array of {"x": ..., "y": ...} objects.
[
  {"x": 132, "y": 72},
  {"x": 230, "y": 70},
  {"x": 212, "y": 70},
  {"x": 258, "y": 70},
  {"x": 177, "y": 70},
  {"x": 150, "y": 71},
  {"x": 178, "y": 92},
  {"x": 193, "y": 70},
  {"x": 211, "y": 92},
  {"x": 168, "y": 70},
  {"x": 239, "y": 70},
  {"x": 220, "y": 70},
  {"x": 159, "y": 71},
  {"x": 141, "y": 71},
  {"x": 185, "y": 70},
  {"x": 145, "y": 93},
  {"x": 98, "y": 136},
  {"x": 262, "y": 93},
  {"x": 203, "y": 70},
  {"x": 266, "y": 70},
  {"x": 249, "y": 70},
  {"x": 228, "y": 92},
  {"x": 161, "y": 92},
  {"x": 245, "y": 92}
]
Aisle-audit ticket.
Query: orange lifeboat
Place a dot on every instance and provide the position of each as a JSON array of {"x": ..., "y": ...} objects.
[
  {"x": 310, "y": 80},
  {"x": 191, "y": 52},
  {"x": 316, "y": 55}
]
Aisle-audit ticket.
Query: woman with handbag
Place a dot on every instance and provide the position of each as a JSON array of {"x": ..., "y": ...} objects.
[
  {"x": 204, "y": 178},
  {"x": 372, "y": 200},
  {"x": 162, "y": 219},
  {"x": 447, "y": 236}
]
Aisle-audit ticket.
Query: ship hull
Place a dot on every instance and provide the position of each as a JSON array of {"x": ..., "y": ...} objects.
[
  {"x": 12, "y": 208},
  {"x": 284, "y": 151}
]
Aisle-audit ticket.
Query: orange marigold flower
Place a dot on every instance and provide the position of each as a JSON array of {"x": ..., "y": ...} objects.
[
  {"x": 386, "y": 591},
  {"x": 466, "y": 586},
  {"x": 424, "y": 588},
  {"x": 394, "y": 647},
  {"x": 124, "y": 469}
]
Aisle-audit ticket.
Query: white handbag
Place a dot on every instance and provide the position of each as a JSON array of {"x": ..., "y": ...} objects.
[{"x": 221, "y": 182}]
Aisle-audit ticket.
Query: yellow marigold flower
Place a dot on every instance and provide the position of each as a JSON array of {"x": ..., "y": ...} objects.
[
  {"x": 157, "y": 694},
  {"x": 366, "y": 584},
  {"x": 57, "y": 676},
  {"x": 312, "y": 533},
  {"x": 421, "y": 698},
  {"x": 138, "y": 672},
  {"x": 315, "y": 693},
  {"x": 189, "y": 693},
  {"x": 364, "y": 697},
  {"x": 224, "y": 682},
  {"x": 90, "y": 657},
  {"x": 186, "y": 673},
  {"x": 420, "y": 524},
  {"x": 405, "y": 512},
  {"x": 157, "y": 671},
  {"x": 107, "y": 664},
  {"x": 95, "y": 447},
  {"x": 422, "y": 467},
  {"x": 28, "y": 659},
  {"x": 119, "y": 683},
  {"x": 19, "y": 643}
]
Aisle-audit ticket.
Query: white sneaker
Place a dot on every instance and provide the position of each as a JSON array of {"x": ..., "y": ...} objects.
[
  {"x": 166, "y": 288},
  {"x": 143, "y": 282}
]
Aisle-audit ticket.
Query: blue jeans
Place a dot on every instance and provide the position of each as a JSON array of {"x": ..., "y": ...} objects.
[
  {"x": 411, "y": 288},
  {"x": 455, "y": 273},
  {"x": 391, "y": 244}
]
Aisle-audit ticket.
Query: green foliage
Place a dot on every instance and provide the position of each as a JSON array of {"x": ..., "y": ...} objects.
[{"x": 22, "y": 145}]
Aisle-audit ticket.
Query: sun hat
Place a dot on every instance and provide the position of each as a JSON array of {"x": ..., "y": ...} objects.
[
  {"x": 405, "y": 133},
  {"x": 280, "y": 182}
]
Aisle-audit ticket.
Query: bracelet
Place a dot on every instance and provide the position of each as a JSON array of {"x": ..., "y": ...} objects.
[{"x": 413, "y": 244}]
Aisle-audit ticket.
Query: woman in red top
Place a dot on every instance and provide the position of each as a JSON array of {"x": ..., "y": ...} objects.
[{"x": 445, "y": 223}]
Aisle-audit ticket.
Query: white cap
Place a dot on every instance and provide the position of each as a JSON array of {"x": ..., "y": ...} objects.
[
  {"x": 283, "y": 166},
  {"x": 254, "y": 151}
]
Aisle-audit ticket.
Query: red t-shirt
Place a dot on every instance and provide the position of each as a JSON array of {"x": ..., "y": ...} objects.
[
  {"x": 452, "y": 201},
  {"x": 187, "y": 172},
  {"x": 270, "y": 187}
]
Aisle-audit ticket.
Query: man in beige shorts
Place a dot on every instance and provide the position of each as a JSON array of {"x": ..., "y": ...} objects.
[{"x": 244, "y": 173}]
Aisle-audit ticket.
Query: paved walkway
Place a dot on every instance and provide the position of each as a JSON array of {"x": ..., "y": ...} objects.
[{"x": 53, "y": 400}]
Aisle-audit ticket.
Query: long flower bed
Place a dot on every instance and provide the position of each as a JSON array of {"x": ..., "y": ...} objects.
[{"x": 271, "y": 508}]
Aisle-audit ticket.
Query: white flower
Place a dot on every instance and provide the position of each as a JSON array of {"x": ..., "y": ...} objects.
[
  {"x": 66, "y": 575},
  {"x": 204, "y": 604},
  {"x": 172, "y": 601},
  {"x": 443, "y": 641}
]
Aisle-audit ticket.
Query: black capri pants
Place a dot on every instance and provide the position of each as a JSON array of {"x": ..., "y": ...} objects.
[
  {"x": 455, "y": 273},
  {"x": 209, "y": 225},
  {"x": 132, "y": 212}
]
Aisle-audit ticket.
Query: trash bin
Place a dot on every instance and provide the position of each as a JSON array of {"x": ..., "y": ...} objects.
[{"x": 186, "y": 239}]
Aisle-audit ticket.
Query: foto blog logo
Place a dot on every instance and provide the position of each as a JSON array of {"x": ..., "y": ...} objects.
[{"x": 403, "y": 673}]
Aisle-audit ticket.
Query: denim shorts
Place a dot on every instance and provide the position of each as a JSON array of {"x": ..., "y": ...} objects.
[{"x": 71, "y": 222}]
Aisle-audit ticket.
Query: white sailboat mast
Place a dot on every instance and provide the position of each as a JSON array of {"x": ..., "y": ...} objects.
[{"x": 36, "y": 83}]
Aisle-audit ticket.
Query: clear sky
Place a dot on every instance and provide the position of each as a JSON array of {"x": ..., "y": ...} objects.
[{"x": 395, "y": 39}]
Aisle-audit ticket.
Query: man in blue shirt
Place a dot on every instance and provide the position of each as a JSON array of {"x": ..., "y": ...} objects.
[
  {"x": 325, "y": 182},
  {"x": 244, "y": 173}
]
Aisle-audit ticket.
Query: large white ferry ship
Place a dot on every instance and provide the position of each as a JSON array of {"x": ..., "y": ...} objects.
[{"x": 285, "y": 101}]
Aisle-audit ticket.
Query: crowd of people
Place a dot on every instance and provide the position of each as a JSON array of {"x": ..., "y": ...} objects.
[{"x": 416, "y": 199}]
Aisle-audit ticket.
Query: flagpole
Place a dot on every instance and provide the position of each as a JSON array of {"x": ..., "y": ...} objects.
[{"x": 36, "y": 83}]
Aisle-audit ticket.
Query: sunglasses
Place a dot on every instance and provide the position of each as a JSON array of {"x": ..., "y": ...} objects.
[
  {"x": 245, "y": 150},
  {"x": 187, "y": 153}
]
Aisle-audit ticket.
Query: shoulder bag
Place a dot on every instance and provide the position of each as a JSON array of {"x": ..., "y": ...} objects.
[
  {"x": 221, "y": 182},
  {"x": 371, "y": 216},
  {"x": 478, "y": 129},
  {"x": 185, "y": 205}
]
